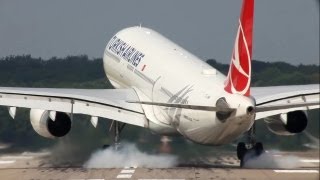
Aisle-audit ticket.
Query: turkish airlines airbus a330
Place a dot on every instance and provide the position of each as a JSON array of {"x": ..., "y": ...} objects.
[{"x": 162, "y": 87}]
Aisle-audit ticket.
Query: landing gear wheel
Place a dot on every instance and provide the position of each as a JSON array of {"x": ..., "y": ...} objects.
[
  {"x": 258, "y": 148},
  {"x": 252, "y": 150},
  {"x": 246, "y": 154},
  {"x": 241, "y": 150}
]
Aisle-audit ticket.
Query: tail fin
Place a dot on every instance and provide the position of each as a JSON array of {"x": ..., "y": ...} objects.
[{"x": 239, "y": 76}]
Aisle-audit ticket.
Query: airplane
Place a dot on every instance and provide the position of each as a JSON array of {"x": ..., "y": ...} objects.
[{"x": 164, "y": 88}]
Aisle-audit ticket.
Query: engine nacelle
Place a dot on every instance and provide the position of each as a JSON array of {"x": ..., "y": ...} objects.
[
  {"x": 288, "y": 124},
  {"x": 46, "y": 127}
]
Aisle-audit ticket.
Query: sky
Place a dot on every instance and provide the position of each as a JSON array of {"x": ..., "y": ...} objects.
[{"x": 285, "y": 30}]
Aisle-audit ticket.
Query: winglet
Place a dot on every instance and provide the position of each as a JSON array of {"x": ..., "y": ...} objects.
[{"x": 239, "y": 76}]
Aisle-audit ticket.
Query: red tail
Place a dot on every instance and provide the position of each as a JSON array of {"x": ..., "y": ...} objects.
[{"x": 239, "y": 76}]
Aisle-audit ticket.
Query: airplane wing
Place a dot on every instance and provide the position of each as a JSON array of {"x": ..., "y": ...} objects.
[
  {"x": 124, "y": 105},
  {"x": 106, "y": 103},
  {"x": 275, "y": 100}
]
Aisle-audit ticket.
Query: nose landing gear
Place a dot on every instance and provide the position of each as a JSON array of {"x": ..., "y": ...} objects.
[{"x": 250, "y": 150}]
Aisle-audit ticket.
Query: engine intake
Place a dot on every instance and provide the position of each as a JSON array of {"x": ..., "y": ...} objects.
[
  {"x": 288, "y": 124},
  {"x": 46, "y": 127}
]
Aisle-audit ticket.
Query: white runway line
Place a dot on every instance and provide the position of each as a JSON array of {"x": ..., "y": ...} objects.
[
  {"x": 16, "y": 157},
  {"x": 126, "y": 173},
  {"x": 86, "y": 179},
  {"x": 36, "y": 153},
  {"x": 310, "y": 160},
  {"x": 277, "y": 155},
  {"x": 124, "y": 176},
  {"x": 7, "y": 162},
  {"x": 161, "y": 179},
  {"x": 296, "y": 171}
]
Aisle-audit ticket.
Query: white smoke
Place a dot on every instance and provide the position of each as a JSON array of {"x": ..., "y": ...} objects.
[
  {"x": 272, "y": 159},
  {"x": 129, "y": 156}
]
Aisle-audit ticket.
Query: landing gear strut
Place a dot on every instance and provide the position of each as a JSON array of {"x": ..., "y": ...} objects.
[
  {"x": 250, "y": 150},
  {"x": 118, "y": 127}
]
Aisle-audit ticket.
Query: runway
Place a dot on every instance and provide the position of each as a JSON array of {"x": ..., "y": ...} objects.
[{"x": 29, "y": 166}]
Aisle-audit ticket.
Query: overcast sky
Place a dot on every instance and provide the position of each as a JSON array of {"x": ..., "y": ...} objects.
[{"x": 285, "y": 30}]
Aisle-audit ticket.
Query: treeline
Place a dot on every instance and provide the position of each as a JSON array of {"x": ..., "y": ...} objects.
[
  {"x": 71, "y": 71},
  {"x": 276, "y": 73},
  {"x": 82, "y": 72}
]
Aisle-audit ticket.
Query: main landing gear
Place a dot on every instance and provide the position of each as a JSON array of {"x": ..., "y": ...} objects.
[
  {"x": 250, "y": 150},
  {"x": 117, "y": 128}
]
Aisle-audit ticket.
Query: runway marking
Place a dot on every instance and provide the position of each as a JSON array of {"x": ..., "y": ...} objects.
[
  {"x": 36, "y": 153},
  {"x": 86, "y": 179},
  {"x": 16, "y": 157},
  {"x": 124, "y": 176},
  {"x": 296, "y": 171},
  {"x": 277, "y": 155},
  {"x": 7, "y": 162},
  {"x": 161, "y": 179},
  {"x": 126, "y": 173},
  {"x": 310, "y": 160}
]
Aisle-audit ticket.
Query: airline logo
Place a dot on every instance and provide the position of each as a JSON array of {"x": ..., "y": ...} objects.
[
  {"x": 239, "y": 76},
  {"x": 125, "y": 51}
]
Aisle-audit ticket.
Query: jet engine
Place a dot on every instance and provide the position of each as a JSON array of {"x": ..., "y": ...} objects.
[
  {"x": 46, "y": 127},
  {"x": 288, "y": 124}
]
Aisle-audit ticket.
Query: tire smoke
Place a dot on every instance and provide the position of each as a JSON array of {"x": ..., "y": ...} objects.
[
  {"x": 272, "y": 159},
  {"x": 69, "y": 152},
  {"x": 129, "y": 156}
]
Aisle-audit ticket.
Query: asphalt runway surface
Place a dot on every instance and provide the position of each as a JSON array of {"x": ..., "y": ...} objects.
[{"x": 30, "y": 166}]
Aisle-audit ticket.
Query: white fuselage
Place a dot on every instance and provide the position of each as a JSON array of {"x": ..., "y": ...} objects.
[{"x": 161, "y": 71}]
